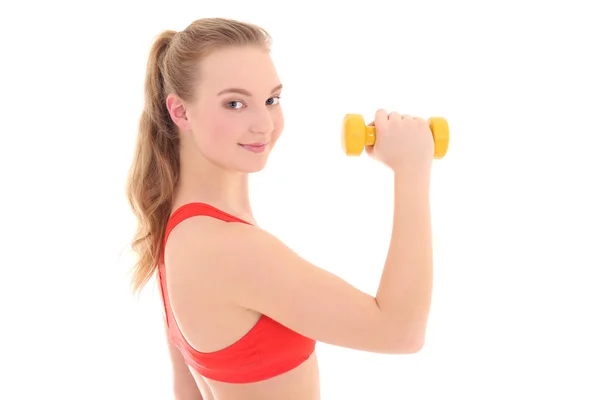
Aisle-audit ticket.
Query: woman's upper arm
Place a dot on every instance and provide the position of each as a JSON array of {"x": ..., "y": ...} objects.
[{"x": 257, "y": 271}]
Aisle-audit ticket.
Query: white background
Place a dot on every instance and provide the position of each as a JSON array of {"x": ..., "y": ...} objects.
[{"x": 515, "y": 202}]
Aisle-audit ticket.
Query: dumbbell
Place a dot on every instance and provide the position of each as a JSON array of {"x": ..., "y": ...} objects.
[{"x": 356, "y": 135}]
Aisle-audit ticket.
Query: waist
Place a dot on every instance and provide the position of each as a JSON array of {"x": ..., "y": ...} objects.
[{"x": 299, "y": 383}]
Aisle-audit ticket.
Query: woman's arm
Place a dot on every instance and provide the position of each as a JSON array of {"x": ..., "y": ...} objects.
[
  {"x": 184, "y": 385},
  {"x": 246, "y": 266}
]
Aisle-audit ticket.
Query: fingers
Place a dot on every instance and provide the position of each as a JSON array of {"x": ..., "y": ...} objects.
[
  {"x": 396, "y": 116},
  {"x": 381, "y": 117}
]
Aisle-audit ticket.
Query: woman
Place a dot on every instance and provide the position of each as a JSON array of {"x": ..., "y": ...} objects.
[{"x": 243, "y": 311}]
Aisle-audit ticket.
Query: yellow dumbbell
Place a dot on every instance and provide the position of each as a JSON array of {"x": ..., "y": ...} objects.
[{"x": 356, "y": 135}]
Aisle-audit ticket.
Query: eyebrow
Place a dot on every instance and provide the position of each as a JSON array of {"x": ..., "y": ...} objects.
[{"x": 245, "y": 92}]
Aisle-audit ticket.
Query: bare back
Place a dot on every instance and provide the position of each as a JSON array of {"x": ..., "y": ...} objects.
[
  {"x": 212, "y": 326},
  {"x": 247, "y": 311},
  {"x": 300, "y": 383},
  {"x": 210, "y": 323}
]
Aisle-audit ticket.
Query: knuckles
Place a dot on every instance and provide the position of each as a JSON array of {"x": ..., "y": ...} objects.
[{"x": 394, "y": 120}]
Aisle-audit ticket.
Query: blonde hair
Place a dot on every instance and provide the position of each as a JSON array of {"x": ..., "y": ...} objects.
[{"x": 154, "y": 173}]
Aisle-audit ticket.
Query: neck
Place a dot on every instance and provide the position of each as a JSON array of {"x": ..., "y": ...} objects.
[{"x": 203, "y": 181}]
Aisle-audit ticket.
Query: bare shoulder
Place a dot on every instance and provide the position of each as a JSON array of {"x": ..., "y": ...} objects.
[
  {"x": 252, "y": 269},
  {"x": 188, "y": 251}
]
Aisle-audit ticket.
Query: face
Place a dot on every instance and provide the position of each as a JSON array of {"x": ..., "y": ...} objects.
[{"x": 236, "y": 118}]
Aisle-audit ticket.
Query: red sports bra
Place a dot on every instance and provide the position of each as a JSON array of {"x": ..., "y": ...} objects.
[{"x": 267, "y": 350}]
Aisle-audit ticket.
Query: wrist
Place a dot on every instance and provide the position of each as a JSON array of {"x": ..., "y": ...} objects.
[{"x": 412, "y": 173}]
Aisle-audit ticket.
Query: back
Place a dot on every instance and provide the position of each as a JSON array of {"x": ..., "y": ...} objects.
[
  {"x": 222, "y": 343},
  {"x": 235, "y": 288}
]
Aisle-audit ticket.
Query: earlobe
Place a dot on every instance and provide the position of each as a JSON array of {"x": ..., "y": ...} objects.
[{"x": 177, "y": 111}]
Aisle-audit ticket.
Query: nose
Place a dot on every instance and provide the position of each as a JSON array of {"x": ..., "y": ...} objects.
[{"x": 262, "y": 122}]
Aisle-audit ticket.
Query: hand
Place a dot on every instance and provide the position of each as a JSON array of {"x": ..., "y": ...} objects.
[{"x": 402, "y": 141}]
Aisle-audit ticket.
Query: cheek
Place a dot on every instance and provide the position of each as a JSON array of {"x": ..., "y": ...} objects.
[
  {"x": 278, "y": 125},
  {"x": 224, "y": 131},
  {"x": 218, "y": 131}
]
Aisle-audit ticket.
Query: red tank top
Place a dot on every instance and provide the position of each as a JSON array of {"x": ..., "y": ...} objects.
[{"x": 267, "y": 350}]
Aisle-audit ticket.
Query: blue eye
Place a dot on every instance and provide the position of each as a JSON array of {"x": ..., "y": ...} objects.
[
  {"x": 233, "y": 102},
  {"x": 236, "y": 105},
  {"x": 274, "y": 99}
]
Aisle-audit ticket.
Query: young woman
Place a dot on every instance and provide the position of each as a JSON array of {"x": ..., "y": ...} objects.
[{"x": 242, "y": 310}]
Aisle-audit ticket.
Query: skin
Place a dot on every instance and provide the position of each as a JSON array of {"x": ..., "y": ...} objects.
[
  {"x": 218, "y": 294},
  {"x": 214, "y": 169}
]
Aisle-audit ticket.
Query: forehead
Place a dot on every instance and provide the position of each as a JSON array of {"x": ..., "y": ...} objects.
[{"x": 249, "y": 67}]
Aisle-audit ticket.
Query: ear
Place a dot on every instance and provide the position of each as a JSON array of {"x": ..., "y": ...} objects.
[{"x": 177, "y": 111}]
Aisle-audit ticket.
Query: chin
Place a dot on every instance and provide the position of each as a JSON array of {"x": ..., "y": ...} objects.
[
  {"x": 253, "y": 167},
  {"x": 248, "y": 166},
  {"x": 253, "y": 162}
]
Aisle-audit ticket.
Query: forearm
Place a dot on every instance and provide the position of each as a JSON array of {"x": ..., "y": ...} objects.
[{"x": 404, "y": 293}]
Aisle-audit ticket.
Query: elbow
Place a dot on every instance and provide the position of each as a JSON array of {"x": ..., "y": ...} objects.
[
  {"x": 403, "y": 336},
  {"x": 409, "y": 341},
  {"x": 411, "y": 346}
]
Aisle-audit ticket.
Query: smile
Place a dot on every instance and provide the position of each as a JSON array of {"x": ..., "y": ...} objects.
[{"x": 255, "y": 147}]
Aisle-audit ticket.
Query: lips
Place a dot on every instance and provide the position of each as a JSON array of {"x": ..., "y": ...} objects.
[{"x": 255, "y": 147}]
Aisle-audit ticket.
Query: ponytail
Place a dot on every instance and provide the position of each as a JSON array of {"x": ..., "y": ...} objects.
[
  {"x": 154, "y": 173},
  {"x": 155, "y": 169}
]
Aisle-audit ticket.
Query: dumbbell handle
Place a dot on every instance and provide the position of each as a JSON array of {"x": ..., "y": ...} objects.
[
  {"x": 370, "y": 134},
  {"x": 356, "y": 135}
]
